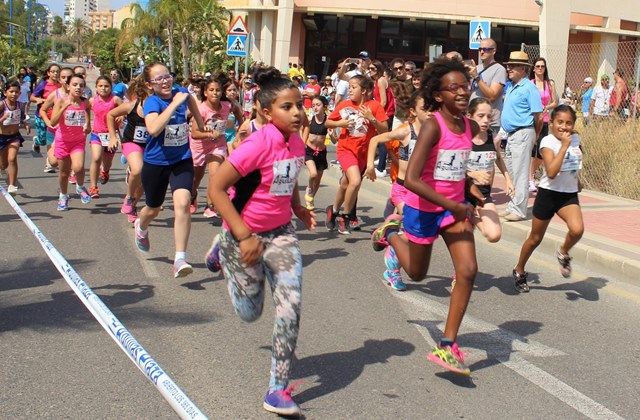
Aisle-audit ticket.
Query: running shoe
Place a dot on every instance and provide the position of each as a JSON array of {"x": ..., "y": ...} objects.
[
  {"x": 181, "y": 268},
  {"x": 379, "y": 236},
  {"x": 72, "y": 178},
  {"x": 193, "y": 206},
  {"x": 210, "y": 212},
  {"x": 565, "y": 264},
  {"x": 331, "y": 219},
  {"x": 344, "y": 225},
  {"x": 142, "y": 240},
  {"x": 94, "y": 192},
  {"x": 394, "y": 279},
  {"x": 450, "y": 358},
  {"x": 391, "y": 259},
  {"x": 63, "y": 203},
  {"x": 12, "y": 190},
  {"x": 128, "y": 205},
  {"x": 133, "y": 216},
  {"x": 123, "y": 159},
  {"x": 212, "y": 259},
  {"x": 104, "y": 177},
  {"x": 35, "y": 146},
  {"x": 281, "y": 403},
  {"x": 520, "y": 281},
  {"x": 354, "y": 224},
  {"x": 48, "y": 169},
  {"x": 84, "y": 194}
]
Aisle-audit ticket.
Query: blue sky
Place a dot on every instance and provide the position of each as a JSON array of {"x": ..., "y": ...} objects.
[{"x": 57, "y": 6}]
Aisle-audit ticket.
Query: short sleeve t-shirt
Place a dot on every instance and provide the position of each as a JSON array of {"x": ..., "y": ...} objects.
[
  {"x": 269, "y": 166},
  {"x": 586, "y": 101},
  {"x": 357, "y": 139},
  {"x": 172, "y": 144},
  {"x": 567, "y": 179},
  {"x": 313, "y": 90},
  {"x": 601, "y": 98},
  {"x": 494, "y": 74},
  {"x": 119, "y": 89}
]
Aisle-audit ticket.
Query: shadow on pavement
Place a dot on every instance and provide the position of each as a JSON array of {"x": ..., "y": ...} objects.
[
  {"x": 33, "y": 272},
  {"x": 587, "y": 289},
  {"x": 337, "y": 370}
]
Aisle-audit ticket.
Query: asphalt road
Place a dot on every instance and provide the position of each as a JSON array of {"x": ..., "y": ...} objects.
[{"x": 568, "y": 349}]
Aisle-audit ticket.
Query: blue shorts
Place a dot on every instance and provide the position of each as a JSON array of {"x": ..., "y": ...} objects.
[{"x": 423, "y": 227}]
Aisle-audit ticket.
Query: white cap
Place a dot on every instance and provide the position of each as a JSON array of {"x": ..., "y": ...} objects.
[
  {"x": 207, "y": 74},
  {"x": 588, "y": 80}
]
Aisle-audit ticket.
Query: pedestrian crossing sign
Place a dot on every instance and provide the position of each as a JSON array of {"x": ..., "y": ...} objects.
[
  {"x": 236, "y": 45},
  {"x": 478, "y": 30}
]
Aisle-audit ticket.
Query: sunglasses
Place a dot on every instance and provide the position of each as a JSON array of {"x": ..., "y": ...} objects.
[
  {"x": 398, "y": 68},
  {"x": 484, "y": 49},
  {"x": 455, "y": 87},
  {"x": 540, "y": 66},
  {"x": 372, "y": 69}
]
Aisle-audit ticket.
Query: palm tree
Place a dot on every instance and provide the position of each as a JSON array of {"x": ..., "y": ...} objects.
[
  {"x": 169, "y": 12},
  {"x": 208, "y": 28},
  {"x": 76, "y": 30},
  {"x": 142, "y": 28}
]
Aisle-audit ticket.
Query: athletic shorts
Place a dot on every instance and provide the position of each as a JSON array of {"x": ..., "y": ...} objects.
[
  {"x": 422, "y": 227},
  {"x": 157, "y": 178},
  {"x": 41, "y": 131},
  {"x": 486, "y": 192},
  {"x": 95, "y": 139},
  {"x": 398, "y": 192},
  {"x": 347, "y": 159},
  {"x": 131, "y": 147},
  {"x": 50, "y": 136},
  {"x": 200, "y": 149},
  {"x": 63, "y": 149},
  {"x": 536, "y": 152},
  {"x": 548, "y": 202},
  {"x": 7, "y": 139},
  {"x": 319, "y": 157}
]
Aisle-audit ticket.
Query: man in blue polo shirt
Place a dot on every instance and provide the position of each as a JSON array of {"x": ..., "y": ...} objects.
[{"x": 522, "y": 121}]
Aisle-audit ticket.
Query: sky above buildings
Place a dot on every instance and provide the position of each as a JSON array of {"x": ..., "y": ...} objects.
[{"x": 57, "y": 6}]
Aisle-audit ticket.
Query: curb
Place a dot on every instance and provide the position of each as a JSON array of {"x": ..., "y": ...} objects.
[{"x": 591, "y": 257}]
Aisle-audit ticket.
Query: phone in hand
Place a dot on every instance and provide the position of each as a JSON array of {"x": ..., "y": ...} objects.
[{"x": 469, "y": 63}]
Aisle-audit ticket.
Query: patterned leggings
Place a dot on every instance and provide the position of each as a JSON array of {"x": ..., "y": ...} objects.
[{"x": 281, "y": 264}]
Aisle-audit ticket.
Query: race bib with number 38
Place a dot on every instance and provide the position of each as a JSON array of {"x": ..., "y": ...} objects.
[{"x": 140, "y": 134}]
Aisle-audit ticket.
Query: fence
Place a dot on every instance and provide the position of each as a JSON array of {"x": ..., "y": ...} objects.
[{"x": 611, "y": 144}]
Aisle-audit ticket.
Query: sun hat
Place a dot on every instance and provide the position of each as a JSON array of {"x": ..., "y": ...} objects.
[{"x": 519, "y": 58}]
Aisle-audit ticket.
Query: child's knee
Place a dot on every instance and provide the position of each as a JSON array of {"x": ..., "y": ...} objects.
[
  {"x": 467, "y": 270},
  {"x": 576, "y": 231}
]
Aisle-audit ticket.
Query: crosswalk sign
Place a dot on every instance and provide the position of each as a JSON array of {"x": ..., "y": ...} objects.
[
  {"x": 236, "y": 45},
  {"x": 478, "y": 30}
]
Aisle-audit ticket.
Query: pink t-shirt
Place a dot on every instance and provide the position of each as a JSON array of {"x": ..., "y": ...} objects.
[
  {"x": 217, "y": 120},
  {"x": 100, "y": 110},
  {"x": 445, "y": 168},
  {"x": 269, "y": 166}
]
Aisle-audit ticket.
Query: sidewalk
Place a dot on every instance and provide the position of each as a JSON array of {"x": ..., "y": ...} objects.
[{"x": 610, "y": 244}]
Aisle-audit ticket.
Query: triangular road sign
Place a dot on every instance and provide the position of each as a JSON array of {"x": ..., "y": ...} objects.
[{"x": 238, "y": 27}]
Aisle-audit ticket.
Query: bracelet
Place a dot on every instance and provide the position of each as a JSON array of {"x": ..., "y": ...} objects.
[{"x": 245, "y": 238}]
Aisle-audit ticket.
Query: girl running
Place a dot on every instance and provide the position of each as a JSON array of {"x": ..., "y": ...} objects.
[
  {"x": 11, "y": 118},
  {"x": 359, "y": 120},
  {"x": 72, "y": 114},
  {"x": 46, "y": 110},
  {"x": 134, "y": 139},
  {"x": 316, "y": 150},
  {"x": 407, "y": 135},
  {"x": 231, "y": 92},
  {"x": 45, "y": 88},
  {"x": 101, "y": 155},
  {"x": 557, "y": 193},
  {"x": 258, "y": 240},
  {"x": 167, "y": 161},
  {"x": 434, "y": 203},
  {"x": 209, "y": 149},
  {"x": 481, "y": 169}
]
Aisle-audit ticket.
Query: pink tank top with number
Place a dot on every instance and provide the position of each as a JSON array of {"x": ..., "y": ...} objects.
[
  {"x": 217, "y": 120},
  {"x": 100, "y": 110},
  {"x": 445, "y": 168},
  {"x": 71, "y": 125}
]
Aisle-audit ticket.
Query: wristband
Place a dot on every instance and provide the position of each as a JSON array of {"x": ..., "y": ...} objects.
[{"x": 245, "y": 238}]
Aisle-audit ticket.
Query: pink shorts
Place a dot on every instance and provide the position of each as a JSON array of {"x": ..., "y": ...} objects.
[
  {"x": 398, "y": 193},
  {"x": 347, "y": 159},
  {"x": 200, "y": 149},
  {"x": 131, "y": 147},
  {"x": 63, "y": 149}
]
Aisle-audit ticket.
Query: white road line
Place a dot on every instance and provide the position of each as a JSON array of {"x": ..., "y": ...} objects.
[{"x": 506, "y": 347}]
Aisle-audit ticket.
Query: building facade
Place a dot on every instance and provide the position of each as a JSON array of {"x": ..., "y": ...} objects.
[
  {"x": 99, "y": 21},
  {"x": 318, "y": 33},
  {"x": 79, "y": 9}
]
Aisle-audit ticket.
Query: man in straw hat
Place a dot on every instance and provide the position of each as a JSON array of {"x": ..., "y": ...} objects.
[{"x": 521, "y": 119}]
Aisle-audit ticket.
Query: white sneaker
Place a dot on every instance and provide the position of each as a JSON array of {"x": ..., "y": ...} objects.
[
  {"x": 382, "y": 174},
  {"x": 12, "y": 189}
]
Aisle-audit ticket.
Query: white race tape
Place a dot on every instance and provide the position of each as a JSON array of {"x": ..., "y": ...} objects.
[{"x": 178, "y": 400}]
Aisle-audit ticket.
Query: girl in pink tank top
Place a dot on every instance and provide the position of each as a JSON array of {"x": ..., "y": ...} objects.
[
  {"x": 101, "y": 155},
  {"x": 72, "y": 115},
  {"x": 434, "y": 203}
]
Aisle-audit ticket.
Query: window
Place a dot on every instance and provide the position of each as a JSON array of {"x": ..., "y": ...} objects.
[
  {"x": 390, "y": 27},
  {"x": 437, "y": 29},
  {"x": 459, "y": 31}
]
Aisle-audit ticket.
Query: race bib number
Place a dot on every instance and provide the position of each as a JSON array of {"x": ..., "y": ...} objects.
[
  {"x": 220, "y": 126},
  {"x": 451, "y": 165},
  {"x": 75, "y": 119},
  {"x": 360, "y": 126},
  {"x": 140, "y": 134},
  {"x": 572, "y": 160},
  {"x": 176, "y": 135},
  {"x": 285, "y": 175},
  {"x": 13, "y": 118},
  {"x": 104, "y": 139},
  {"x": 481, "y": 161}
]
